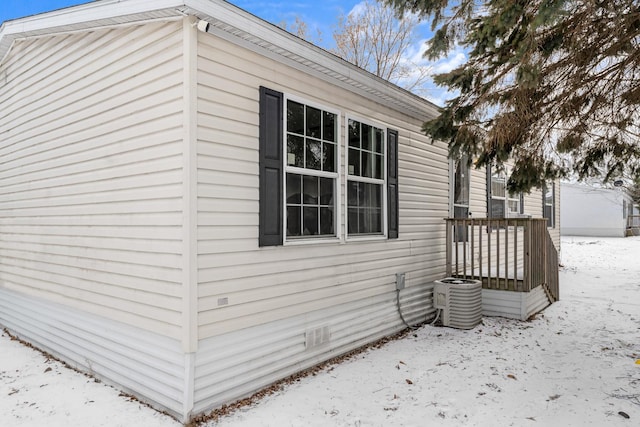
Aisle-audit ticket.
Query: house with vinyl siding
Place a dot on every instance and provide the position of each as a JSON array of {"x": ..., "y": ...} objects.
[{"x": 195, "y": 203}]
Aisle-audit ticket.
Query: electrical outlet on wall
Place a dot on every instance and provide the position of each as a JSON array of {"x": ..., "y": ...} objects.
[{"x": 399, "y": 281}]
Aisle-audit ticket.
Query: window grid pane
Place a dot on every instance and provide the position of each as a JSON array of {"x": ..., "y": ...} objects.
[
  {"x": 498, "y": 186},
  {"x": 312, "y": 138},
  {"x": 513, "y": 203},
  {"x": 366, "y": 150},
  {"x": 310, "y": 205},
  {"x": 364, "y": 206},
  {"x": 514, "y": 206}
]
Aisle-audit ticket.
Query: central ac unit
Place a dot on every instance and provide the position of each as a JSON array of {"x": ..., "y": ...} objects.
[{"x": 460, "y": 301}]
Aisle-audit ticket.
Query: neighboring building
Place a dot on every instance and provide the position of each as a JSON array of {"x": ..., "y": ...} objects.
[
  {"x": 593, "y": 211},
  {"x": 194, "y": 212}
]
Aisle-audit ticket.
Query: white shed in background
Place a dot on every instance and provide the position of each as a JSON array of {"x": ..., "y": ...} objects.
[{"x": 591, "y": 211}]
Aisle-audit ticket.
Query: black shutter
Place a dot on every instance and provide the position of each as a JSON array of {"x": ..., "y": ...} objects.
[
  {"x": 271, "y": 217},
  {"x": 392, "y": 184}
]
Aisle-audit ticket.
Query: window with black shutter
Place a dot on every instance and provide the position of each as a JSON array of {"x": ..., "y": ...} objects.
[{"x": 299, "y": 193}]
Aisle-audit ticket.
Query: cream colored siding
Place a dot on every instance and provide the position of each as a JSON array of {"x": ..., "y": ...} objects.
[
  {"x": 91, "y": 172},
  {"x": 533, "y": 203},
  {"x": 478, "y": 193},
  {"x": 262, "y": 285}
]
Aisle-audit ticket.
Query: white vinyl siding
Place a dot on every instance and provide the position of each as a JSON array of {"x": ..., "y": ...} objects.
[
  {"x": 132, "y": 358},
  {"x": 513, "y": 305},
  {"x": 91, "y": 172},
  {"x": 235, "y": 364},
  {"x": 241, "y": 285}
]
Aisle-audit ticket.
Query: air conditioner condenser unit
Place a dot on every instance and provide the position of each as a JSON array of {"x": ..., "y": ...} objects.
[{"x": 460, "y": 302}]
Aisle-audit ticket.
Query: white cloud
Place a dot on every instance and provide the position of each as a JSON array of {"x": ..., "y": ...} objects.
[
  {"x": 358, "y": 9},
  {"x": 454, "y": 60}
]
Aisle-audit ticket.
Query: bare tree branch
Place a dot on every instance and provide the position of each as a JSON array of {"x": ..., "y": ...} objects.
[{"x": 373, "y": 38}]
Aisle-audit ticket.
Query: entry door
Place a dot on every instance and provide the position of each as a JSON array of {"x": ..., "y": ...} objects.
[{"x": 461, "y": 172}]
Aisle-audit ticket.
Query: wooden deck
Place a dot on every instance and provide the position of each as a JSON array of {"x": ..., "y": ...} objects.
[
  {"x": 633, "y": 225},
  {"x": 513, "y": 254}
]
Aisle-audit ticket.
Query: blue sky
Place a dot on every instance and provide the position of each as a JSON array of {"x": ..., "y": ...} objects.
[
  {"x": 315, "y": 13},
  {"x": 318, "y": 15},
  {"x": 11, "y": 9}
]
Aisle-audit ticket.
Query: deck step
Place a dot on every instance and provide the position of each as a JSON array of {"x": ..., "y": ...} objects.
[
  {"x": 634, "y": 231},
  {"x": 548, "y": 292}
]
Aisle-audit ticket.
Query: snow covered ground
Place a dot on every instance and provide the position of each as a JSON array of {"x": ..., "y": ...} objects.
[{"x": 576, "y": 364}]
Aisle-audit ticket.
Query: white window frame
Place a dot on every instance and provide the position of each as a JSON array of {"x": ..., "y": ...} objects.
[
  {"x": 502, "y": 176},
  {"x": 336, "y": 176},
  {"x": 552, "y": 212},
  {"x": 508, "y": 197},
  {"x": 518, "y": 200},
  {"x": 383, "y": 182}
]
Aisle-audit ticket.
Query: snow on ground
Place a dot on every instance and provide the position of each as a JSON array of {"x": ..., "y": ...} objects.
[
  {"x": 573, "y": 365},
  {"x": 36, "y": 391}
]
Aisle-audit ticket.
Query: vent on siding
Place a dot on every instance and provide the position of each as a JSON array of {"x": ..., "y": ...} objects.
[{"x": 316, "y": 337}]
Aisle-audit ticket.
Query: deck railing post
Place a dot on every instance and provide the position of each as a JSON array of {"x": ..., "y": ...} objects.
[
  {"x": 489, "y": 255},
  {"x": 527, "y": 257},
  {"x": 506, "y": 254},
  {"x": 497, "y": 254},
  {"x": 465, "y": 234},
  {"x": 480, "y": 258},
  {"x": 448, "y": 247},
  {"x": 472, "y": 249},
  {"x": 456, "y": 246},
  {"x": 516, "y": 273},
  {"x": 545, "y": 249}
]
